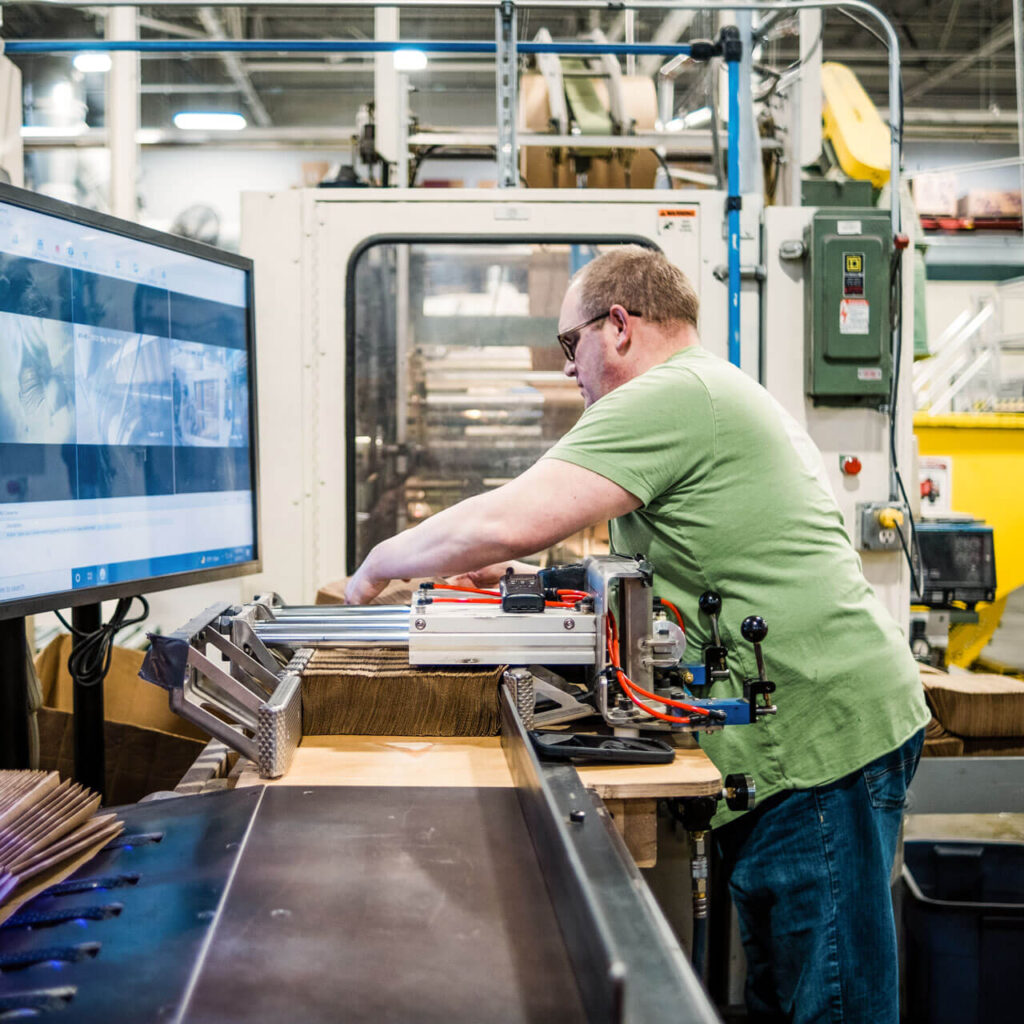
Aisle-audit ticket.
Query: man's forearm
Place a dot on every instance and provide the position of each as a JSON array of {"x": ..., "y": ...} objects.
[
  {"x": 546, "y": 504},
  {"x": 457, "y": 539}
]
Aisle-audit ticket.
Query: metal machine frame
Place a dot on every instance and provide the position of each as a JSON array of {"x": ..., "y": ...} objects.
[{"x": 255, "y": 706}]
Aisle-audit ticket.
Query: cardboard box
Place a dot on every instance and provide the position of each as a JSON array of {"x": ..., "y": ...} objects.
[
  {"x": 148, "y": 747},
  {"x": 936, "y": 194},
  {"x": 126, "y": 698},
  {"x": 138, "y": 761},
  {"x": 982, "y": 202},
  {"x": 313, "y": 172}
]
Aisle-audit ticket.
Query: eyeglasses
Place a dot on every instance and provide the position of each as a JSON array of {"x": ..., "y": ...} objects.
[{"x": 569, "y": 343}]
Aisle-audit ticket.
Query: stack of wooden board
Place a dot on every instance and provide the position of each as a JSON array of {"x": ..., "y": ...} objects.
[{"x": 47, "y": 829}]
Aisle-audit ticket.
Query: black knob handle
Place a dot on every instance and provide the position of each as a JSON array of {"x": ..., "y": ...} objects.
[
  {"x": 710, "y": 603},
  {"x": 754, "y": 629},
  {"x": 740, "y": 792}
]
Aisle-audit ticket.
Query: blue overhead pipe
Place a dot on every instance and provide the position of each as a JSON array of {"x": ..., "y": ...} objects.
[
  {"x": 24, "y": 46},
  {"x": 732, "y": 49}
]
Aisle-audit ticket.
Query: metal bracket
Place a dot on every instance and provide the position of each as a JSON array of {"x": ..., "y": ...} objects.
[
  {"x": 253, "y": 709},
  {"x": 754, "y": 272}
]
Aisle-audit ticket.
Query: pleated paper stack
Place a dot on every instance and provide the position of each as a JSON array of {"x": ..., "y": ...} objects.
[{"x": 48, "y": 828}]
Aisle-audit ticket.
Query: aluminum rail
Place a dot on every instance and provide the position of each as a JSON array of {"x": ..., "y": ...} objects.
[
  {"x": 337, "y": 621},
  {"x": 362, "y": 612},
  {"x": 284, "y": 634}
]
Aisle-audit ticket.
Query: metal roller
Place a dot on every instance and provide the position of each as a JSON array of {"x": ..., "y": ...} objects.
[
  {"x": 337, "y": 621},
  {"x": 286, "y": 634},
  {"x": 340, "y": 611}
]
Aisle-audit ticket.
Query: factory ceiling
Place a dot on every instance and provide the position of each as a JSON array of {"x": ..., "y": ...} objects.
[{"x": 958, "y": 57}]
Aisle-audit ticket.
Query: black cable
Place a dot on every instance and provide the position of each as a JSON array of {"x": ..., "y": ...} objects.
[
  {"x": 89, "y": 661},
  {"x": 664, "y": 167},
  {"x": 896, "y": 330},
  {"x": 417, "y": 160},
  {"x": 800, "y": 61},
  {"x": 896, "y": 327},
  {"x": 777, "y": 76},
  {"x": 432, "y": 150},
  {"x": 916, "y": 581},
  {"x": 699, "y": 944}
]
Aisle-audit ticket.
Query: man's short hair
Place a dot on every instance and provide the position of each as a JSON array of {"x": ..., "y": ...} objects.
[{"x": 643, "y": 281}]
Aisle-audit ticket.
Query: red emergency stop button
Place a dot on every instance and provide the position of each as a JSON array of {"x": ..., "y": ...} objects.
[{"x": 849, "y": 464}]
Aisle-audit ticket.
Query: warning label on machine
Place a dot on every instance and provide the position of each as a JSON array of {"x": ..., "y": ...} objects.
[
  {"x": 854, "y": 316},
  {"x": 677, "y": 219}
]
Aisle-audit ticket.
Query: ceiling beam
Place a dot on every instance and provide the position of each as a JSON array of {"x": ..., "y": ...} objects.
[
  {"x": 170, "y": 28},
  {"x": 234, "y": 67},
  {"x": 674, "y": 24},
  {"x": 947, "y": 29},
  {"x": 1001, "y": 37},
  {"x": 185, "y": 88}
]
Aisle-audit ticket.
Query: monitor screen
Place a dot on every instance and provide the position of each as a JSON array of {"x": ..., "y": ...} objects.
[{"x": 127, "y": 409}]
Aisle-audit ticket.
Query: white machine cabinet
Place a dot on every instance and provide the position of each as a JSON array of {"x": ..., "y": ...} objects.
[{"x": 406, "y": 351}]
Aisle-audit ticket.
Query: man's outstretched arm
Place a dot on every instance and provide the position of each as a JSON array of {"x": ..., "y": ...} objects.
[{"x": 549, "y": 502}]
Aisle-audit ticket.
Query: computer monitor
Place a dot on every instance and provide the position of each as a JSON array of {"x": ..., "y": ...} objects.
[{"x": 128, "y": 456}]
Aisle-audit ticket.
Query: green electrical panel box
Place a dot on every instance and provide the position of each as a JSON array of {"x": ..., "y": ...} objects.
[{"x": 846, "y": 316}]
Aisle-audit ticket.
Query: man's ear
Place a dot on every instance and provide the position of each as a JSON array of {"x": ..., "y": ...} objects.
[{"x": 622, "y": 324}]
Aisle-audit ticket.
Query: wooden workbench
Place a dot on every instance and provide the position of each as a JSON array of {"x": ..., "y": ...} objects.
[{"x": 629, "y": 791}]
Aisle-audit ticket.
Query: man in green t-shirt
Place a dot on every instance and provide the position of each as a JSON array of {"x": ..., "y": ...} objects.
[{"x": 698, "y": 467}]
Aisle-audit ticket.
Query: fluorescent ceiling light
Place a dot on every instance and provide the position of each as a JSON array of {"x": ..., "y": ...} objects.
[
  {"x": 46, "y": 131},
  {"x": 208, "y": 121},
  {"x": 410, "y": 60},
  {"x": 92, "y": 62}
]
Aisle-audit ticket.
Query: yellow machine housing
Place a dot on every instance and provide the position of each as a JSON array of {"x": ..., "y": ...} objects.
[
  {"x": 852, "y": 124},
  {"x": 987, "y": 451}
]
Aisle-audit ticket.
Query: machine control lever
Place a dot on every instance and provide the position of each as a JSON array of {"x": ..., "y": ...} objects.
[
  {"x": 739, "y": 792},
  {"x": 715, "y": 666},
  {"x": 754, "y": 629}
]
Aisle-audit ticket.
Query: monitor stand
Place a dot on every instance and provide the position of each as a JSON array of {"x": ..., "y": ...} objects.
[
  {"x": 87, "y": 723},
  {"x": 14, "y": 727}
]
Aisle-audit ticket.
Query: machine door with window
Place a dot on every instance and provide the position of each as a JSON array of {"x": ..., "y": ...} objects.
[{"x": 455, "y": 381}]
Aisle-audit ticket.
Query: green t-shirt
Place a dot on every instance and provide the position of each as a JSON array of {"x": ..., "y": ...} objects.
[{"x": 733, "y": 501}]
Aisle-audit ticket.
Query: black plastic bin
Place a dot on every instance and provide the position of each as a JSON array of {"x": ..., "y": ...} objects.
[{"x": 963, "y": 920}]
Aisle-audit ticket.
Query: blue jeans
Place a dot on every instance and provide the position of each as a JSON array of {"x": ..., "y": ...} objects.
[{"x": 809, "y": 874}]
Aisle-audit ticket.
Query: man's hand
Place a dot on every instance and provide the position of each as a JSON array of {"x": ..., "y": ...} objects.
[{"x": 362, "y": 588}]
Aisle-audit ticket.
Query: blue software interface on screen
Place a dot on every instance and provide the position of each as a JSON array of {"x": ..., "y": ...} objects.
[{"x": 124, "y": 409}]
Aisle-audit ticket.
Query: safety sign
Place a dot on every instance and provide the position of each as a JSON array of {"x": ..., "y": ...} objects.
[{"x": 854, "y": 316}]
